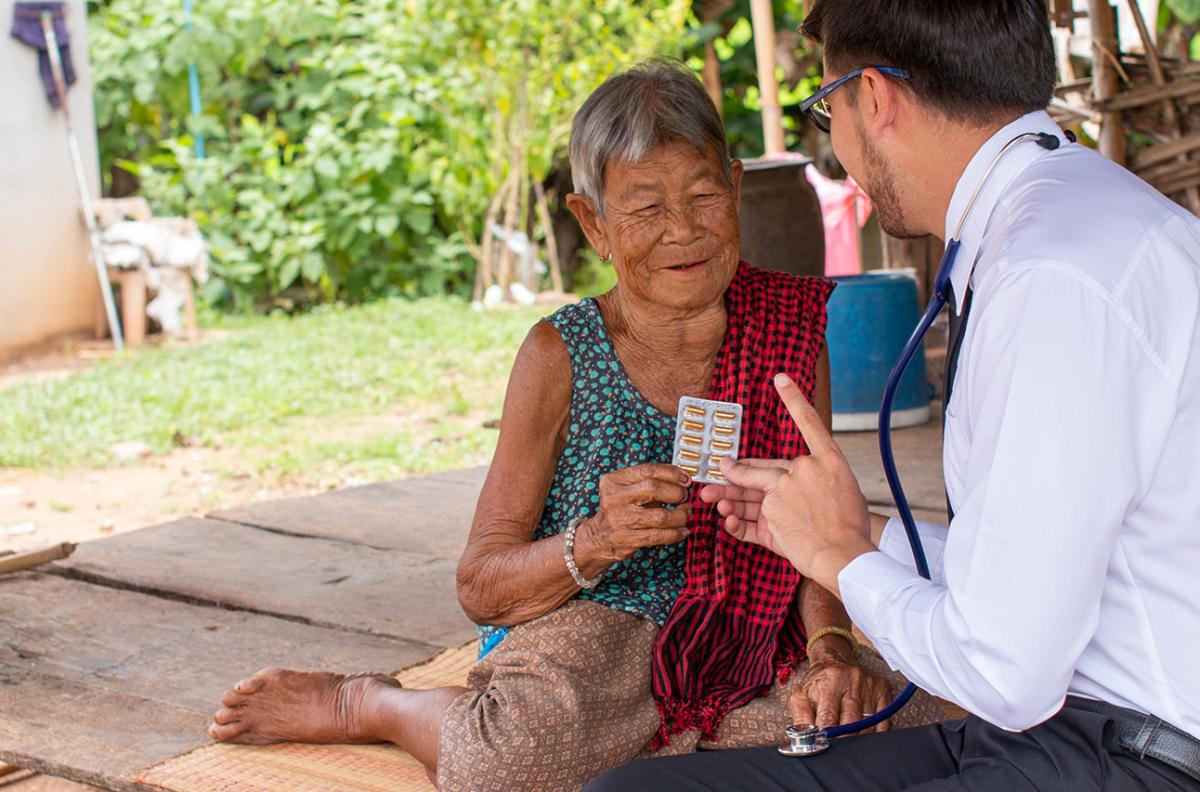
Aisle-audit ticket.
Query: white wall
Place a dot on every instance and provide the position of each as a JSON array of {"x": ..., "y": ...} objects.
[{"x": 47, "y": 282}]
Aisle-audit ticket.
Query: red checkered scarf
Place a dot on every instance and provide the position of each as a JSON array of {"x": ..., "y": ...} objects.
[{"x": 735, "y": 627}]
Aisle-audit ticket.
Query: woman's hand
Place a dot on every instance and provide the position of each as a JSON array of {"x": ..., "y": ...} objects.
[
  {"x": 632, "y": 512},
  {"x": 835, "y": 690}
]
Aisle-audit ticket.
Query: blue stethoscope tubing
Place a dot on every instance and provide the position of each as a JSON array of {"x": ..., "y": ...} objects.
[{"x": 936, "y": 304}]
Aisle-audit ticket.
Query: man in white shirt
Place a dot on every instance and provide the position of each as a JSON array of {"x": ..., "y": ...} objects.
[{"x": 1064, "y": 607}]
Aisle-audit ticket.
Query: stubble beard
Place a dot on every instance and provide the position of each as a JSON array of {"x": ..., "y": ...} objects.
[{"x": 881, "y": 186}]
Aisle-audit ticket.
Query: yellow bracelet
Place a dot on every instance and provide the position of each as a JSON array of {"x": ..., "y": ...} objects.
[{"x": 824, "y": 631}]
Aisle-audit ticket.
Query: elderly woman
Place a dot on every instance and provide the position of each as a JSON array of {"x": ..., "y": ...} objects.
[{"x": 620, "y": 619}]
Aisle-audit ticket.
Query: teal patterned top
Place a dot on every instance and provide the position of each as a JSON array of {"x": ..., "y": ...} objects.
[{"x": 612, "y": 426}]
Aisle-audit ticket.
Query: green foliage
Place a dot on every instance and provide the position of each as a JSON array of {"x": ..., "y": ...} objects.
[
  {"x": 1188, "y": 11},
  {"x": 352, "y": 144},
  {"x": 733, "y": 39}
]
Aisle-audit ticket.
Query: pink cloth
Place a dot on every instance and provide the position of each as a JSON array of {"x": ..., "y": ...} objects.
[{"x": 845, "y": 208}]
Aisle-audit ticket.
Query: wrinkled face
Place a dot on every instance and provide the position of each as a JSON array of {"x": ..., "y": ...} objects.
[{"x": 670, "y": 223}]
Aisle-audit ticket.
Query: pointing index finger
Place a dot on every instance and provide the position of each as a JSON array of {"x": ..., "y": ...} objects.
[{"x": 808, "y": 421}]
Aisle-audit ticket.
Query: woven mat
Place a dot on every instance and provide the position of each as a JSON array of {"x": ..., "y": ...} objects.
[{"x": 295, "y": 767}]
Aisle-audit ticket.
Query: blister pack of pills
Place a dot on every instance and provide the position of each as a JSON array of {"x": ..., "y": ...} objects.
[{"x": 706, "y": 432}]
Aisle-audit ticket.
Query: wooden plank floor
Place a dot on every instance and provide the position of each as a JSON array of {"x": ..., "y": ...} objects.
[
  {"x": 113, "y": 660},
  {"x": 342, "y": 585}
]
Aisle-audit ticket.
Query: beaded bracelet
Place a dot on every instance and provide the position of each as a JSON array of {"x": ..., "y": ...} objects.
[
  {"x": 569, "y": 557},
  {"x": 824, "y": 631}
]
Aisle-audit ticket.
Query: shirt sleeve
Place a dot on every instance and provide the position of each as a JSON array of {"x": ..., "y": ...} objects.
[
  {"x": 894, "y": 544},
  {"x": 1064, "y": 410}
]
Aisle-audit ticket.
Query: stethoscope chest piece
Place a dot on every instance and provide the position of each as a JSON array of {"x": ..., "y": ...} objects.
[{"x": 804, "y": 741}]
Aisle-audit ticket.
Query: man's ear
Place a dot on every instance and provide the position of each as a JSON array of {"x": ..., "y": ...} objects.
[
  {"x": 584, "y": 209},
  {"x": 878, "y": 102}
]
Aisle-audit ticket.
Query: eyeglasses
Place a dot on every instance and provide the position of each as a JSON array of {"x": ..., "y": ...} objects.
[{"x": 817, "y": 105}]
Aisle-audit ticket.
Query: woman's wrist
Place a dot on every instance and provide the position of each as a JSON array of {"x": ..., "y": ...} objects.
[
  {"x": 590, "y": 555},
  {"x": 832, "y": 643}
]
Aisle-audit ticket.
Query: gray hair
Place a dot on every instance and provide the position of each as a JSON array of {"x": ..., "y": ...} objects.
[{"x": 635, "y": 112}]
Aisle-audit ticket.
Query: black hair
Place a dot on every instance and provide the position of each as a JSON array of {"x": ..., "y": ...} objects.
[{"x": 973, "y": 60}]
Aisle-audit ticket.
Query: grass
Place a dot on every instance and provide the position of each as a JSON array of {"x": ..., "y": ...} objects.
[{"x": 389, "y": 388}]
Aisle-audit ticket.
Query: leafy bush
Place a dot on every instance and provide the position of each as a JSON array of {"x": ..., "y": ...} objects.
[{"x": 353, "y": 145}]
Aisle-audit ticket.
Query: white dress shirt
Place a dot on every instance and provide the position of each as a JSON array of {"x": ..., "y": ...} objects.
[{"x": 1072, "y": 454}]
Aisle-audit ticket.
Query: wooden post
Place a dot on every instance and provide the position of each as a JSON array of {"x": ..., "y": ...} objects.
[
  {"x": 1106, "y": 81},
  {"x": 763, "y": 20},
  {"x": 1064, "y": 14}
]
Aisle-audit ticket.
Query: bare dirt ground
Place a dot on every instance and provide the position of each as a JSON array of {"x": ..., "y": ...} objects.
[{"x": 39, "y": 509}]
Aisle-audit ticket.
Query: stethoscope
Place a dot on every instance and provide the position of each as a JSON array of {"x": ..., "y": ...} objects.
[{"x": 808, "y": 740}]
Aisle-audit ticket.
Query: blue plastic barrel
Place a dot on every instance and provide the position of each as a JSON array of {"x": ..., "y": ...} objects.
[{"x": 870, "y": 318}]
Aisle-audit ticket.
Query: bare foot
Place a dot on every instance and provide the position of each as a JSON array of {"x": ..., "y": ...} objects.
[{"x": 277, "y": 705}]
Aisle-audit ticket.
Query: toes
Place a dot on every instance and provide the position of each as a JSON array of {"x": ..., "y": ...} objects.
[
  {"x": 233, "y": 699},
  {"x": 226, "y": 716},
  {"x": 226, "y": 732},
  {"x": 256, "y": 683}
]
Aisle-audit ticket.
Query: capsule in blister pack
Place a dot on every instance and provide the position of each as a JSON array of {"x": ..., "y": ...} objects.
[{"x": 706, "y": 432}]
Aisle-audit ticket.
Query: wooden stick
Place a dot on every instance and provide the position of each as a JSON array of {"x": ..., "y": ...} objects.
[
  {"x": 1170, "y": 115},
  {"x": 1168, "y": 173},
  {"x": 20, "y": 561},
  {"x": 1075, "y": 86},
  {"x": 525, "y": 221},
  {"x": 543, "y": 210},
  {"x": 484, "y": 275},
  {"x": 1149, "y": 94},
  {"x": 1180, "y": 184},
  {"x": 1084, "y": 113},
  {"x": 1166, "y": 151},
  {"x": 1106, "y": 83}
]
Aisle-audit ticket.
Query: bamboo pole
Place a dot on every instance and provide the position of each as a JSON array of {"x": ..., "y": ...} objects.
[
  {"x": 1166, "y": 151},
  {"x": 763, "y": 20},
  {"x": 1139, "y": 97},
  {"x": 22, "y": 561},
  {"x": 1106, "y": 82},
  {"x": 1170, "y": 115},
  {"x": 543, "y": 210}
]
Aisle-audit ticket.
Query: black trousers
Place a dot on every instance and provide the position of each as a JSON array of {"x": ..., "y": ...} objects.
[{"x": 1075, "y": 750}]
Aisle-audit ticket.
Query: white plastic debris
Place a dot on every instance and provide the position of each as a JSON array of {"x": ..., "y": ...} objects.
[
  {"x": 129, "y": 450},
  {"x": 17, "y": 529}
]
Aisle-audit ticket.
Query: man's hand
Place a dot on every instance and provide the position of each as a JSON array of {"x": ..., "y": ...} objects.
[
  {"x": 742, "y": 507},
  {"x": 835, "y": 690},
  {"x": 811, "y": 511}
]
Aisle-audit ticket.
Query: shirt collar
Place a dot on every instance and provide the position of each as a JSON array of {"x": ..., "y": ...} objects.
[{"x": 1016, "y": 160}]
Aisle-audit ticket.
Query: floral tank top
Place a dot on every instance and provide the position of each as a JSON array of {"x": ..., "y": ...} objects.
[{"x": 612, "y": 426}]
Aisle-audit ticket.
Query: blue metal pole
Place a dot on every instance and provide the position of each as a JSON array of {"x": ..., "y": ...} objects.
[{"x": 193, "y": 82}]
